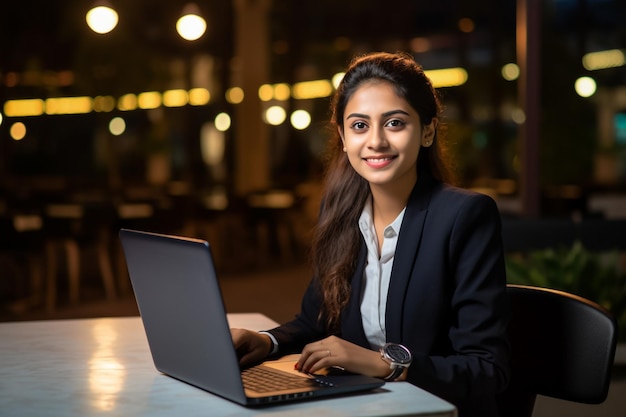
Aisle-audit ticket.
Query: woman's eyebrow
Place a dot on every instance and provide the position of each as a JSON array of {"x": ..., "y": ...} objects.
[
  {"x": 357, "y": 115},
  {"x": 392, "y": 112},
  {"x": 386, "y": 114}
]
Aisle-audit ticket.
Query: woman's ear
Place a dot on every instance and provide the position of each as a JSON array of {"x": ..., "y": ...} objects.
[
  {"x": 341, "y": 136},
  {"x": 428, "y": 132}
]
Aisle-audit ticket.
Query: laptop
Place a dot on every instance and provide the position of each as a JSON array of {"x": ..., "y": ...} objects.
[{"x": 183, "y": 314}]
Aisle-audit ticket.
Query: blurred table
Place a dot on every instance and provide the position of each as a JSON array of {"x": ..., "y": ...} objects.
[{"x": 89, "y": 367}]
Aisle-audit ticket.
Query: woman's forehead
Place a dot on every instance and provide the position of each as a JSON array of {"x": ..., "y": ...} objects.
[{"x": 376, "y": 96}]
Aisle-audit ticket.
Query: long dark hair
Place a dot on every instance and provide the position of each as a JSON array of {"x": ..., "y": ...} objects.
[{"x": 336, "y": 238}]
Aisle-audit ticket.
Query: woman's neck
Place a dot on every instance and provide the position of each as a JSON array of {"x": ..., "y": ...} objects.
[{"x": 388, "y": 202}]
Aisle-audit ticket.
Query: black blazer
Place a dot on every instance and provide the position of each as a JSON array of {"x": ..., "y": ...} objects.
[{"x": 446, "y": 301}]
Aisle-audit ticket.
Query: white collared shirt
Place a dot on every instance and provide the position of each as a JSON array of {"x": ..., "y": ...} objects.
[{"x": 377, "y": 274}]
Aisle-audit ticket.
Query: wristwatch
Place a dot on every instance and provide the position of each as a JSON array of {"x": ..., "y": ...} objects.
[{"x": 398, "y": 357}]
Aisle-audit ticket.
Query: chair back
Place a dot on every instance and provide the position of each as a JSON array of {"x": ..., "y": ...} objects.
[{"x": 562, "y": 346}]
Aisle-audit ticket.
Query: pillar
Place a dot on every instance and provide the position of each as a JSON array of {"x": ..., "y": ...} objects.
[{"x": 250, "y": 71}]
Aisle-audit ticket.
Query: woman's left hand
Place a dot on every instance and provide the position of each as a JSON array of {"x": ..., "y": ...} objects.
[{"x": 334, "y": 351}]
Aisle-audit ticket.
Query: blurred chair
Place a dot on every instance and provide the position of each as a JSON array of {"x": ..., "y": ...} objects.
[
  {"x": 74, "y": 228},
  {"x": 272, "y": 215},
  {"x": 563, "y": 347},
  {"x": 21, "y": 260}
]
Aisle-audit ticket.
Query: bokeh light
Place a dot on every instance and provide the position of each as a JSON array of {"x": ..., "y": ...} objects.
[
  {"x": 300, "y": 119},
  {"x": 585, "y": 86},
  {"x": 275, "y": 115},
  {"x": 102, "y": 19},
  {"x": 117, "y": 126}
]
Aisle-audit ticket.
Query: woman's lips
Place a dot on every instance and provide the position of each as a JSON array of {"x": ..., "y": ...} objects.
[{"x": 378, "y": 161}]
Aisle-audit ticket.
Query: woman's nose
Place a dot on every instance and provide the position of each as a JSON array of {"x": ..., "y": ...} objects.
[{"x": 377, "y": 139}]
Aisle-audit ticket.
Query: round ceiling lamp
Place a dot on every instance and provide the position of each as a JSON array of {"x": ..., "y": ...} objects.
[
  {"x": 191, "y": 26},
  {"x": 102, "y": 18}
]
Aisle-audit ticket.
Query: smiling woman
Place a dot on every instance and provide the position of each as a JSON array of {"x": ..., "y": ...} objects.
[{"x": 402, "y": 261}]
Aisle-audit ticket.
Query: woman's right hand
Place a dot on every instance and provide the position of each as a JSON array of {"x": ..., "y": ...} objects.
[{"x": 252, "y": 347}]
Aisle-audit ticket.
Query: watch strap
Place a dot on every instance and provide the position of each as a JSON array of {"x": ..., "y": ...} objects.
[{"x": 395, "y": 373}]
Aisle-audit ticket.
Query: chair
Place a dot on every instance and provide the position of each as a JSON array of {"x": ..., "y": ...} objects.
[
  {"x": 562, "y": 346},
  {"x": 74, "y": 228},
  {"x": 21, "y": 260}
]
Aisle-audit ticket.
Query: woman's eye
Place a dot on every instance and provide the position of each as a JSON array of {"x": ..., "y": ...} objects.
[
  {"x": 359, "y": 125},
  {"x": 395, "y": 123}
]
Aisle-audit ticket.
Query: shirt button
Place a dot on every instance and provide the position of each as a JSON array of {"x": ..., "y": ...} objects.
[{"x": 389, "y": 232}]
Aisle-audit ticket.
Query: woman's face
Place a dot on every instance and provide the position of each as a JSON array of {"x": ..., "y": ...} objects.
[{"x": 382, "y": 135}]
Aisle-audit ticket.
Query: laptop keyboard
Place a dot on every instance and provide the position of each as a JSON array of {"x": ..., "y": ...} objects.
[{"x": 266, "y": 379}]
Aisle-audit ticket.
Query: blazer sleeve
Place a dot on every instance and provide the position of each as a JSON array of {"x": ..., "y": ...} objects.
[{"x": 473, "y": 368}]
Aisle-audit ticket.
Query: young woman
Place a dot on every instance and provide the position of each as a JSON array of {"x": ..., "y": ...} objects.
[{"x": 409, "y": 279}]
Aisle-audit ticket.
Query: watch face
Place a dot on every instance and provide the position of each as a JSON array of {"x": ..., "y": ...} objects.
[{"x": 398, "y": 353}]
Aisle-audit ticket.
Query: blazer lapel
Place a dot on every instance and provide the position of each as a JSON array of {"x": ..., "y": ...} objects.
[
  {"x": 351, "y": 320},
  {"x": 407, "y": 247}
]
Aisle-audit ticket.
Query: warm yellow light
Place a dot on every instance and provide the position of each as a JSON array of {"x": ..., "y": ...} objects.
[
  {"x": 149, "y": 100},
  {"x": 282, "y": 91},
  {"x": 175, "y": 98},
  {"x": 127, "y": 102},
  {"x": 69, "y": 105},
  {"x": 22, "y": 108},
  {"x": 117, "y": 126},
  {"x": 585, "y": 86},
  {"x": 103, "y": 104},
  {"x": 312, "y": 89},
  {"x": 510, "y": 72},
  {"x": 212, "y": 144},
  {"x": 222, "y": 122},
  {"x": 300, "y": 119},
  {"x": 102, "y": 19},
  {"x": 447, "y": 77},
  {"x": 234, "y": 95},
  {"x": 266, "y": 92},
  {"x": 18, "y": 131},
  {"x": 336, "y": 80},
  {"x": 106, "y": 375},
  {"x": 275, "y": 115},
  {"x": 191, "y": 26},
  {"x": 199, "y": 96},
  {"x": 0, "y": 119},
  {"x": 604, "y": 59}
]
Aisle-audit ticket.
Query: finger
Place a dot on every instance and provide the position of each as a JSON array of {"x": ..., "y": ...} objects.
[
  {"x": 317, "y": 360},
  {"x": 306, "y": 354},
  {"x": 248, "y": 358}
]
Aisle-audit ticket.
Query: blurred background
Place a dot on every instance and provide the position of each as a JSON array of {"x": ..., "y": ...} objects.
[{"x": 209, "y": 119}]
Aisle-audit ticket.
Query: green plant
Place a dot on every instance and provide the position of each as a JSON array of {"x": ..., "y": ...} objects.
[{"x": 595, "y": 276}]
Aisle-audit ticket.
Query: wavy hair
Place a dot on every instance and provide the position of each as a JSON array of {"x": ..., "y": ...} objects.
[{"x": 336, "y": 237}]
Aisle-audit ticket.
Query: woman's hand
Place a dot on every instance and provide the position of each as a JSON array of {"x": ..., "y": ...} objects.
[
  {"x": 334, "y": 351},
  {"x": 251, "y": 347}
]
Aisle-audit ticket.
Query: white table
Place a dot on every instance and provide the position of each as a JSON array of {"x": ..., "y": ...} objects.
[{"x": 90, "y": 367}]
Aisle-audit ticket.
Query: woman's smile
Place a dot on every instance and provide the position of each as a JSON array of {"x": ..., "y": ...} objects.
[{"x": 379, "y": 162}]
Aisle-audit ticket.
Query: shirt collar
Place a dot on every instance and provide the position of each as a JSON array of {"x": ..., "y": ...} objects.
[{"x": 366, "y": 222}]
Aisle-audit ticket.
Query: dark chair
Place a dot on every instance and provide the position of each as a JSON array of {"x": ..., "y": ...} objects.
[{"x": 562, "y": 347}]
